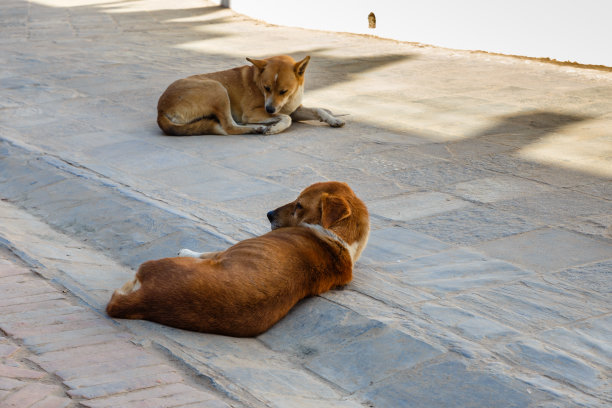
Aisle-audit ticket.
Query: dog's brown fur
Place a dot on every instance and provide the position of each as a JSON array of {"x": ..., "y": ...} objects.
[
  {"x": 246, "y": 289},
  {"x": 261, "y": 98}
]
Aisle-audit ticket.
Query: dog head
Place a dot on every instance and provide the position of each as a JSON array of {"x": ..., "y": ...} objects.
[
  {"x": 331, "y": 205},
  {"x": 280, "y": 79}
]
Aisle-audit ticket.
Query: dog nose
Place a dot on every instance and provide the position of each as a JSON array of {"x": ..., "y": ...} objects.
[
  {"x": 270, "y": 109},
  {"x": 270, "y": 215}
]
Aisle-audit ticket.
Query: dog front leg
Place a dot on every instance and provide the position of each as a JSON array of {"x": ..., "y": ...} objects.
[
  {"x": 276, "y": 123},
  {"x": 322, "y": 115},
  {"x": 283, "y": 123}
]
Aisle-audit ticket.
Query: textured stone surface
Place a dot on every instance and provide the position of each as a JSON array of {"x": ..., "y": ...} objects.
[
  {"x": 371, "y": 358},
  {"x": 472, "y": 225},
  {"x": 29, "y": 374},
  {"x": 555, "y": 207},
  {"x": 399, "y": 244},
  {"x": 558, "y": 365},
  {"x": 498, "y": 188},
  {"x": 485, "y": 282},
  {"x": 455, "y": 270},
  {"x": 468, "y": 324},
  {"x": 440, "y": 174},
  {"x": 317, "y": 326},
  {"x": 440, "y": 384},
  {"x": 593, "y": 279},
  {"x": 533, "y": 305},
  {"x": 547, "y": 250},
  {"x": 417, "y": 205},
  {"x": 587, "y": 339}
]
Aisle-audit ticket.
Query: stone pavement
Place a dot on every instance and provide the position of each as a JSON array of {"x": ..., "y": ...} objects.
[
  {"x": 60, "y": 352},
  {"x": 486, "y": 281}
]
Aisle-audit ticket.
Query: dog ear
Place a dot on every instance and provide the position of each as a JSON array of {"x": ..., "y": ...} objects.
[
  {"x": 260, "y": 64},
  {"x": 333, "y": 209},
  {"x": 300, "y": 67}
]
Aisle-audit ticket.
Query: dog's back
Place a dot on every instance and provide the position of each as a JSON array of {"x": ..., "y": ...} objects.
[{"x": 241, "y": 292}]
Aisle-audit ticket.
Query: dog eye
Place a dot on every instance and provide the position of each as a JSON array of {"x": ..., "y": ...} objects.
[
  {"x": 298, "y": 206},
  {"x": 267, "y": 88},
  {"x": 284, "y": 91}
]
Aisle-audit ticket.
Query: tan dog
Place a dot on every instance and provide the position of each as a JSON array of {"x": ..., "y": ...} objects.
[
  {"x": 244, "y": 290},
  {"x": 260, "y": 98}
]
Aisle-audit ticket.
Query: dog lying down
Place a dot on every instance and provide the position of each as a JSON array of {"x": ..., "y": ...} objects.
[
  {"x": 244, "y": 290},
  {"x": 265, "y": 97}
]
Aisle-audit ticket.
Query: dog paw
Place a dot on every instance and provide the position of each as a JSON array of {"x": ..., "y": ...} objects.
[
  {"x": 284, "y": 121},
  {"x": 335, "y": 122},
  {"x": 188, "y": 253},
  {"x": 260, "y": 130},
  {"x": 274, "y": 129}
]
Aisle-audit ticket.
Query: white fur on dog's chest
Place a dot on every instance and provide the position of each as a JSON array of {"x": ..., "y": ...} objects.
[{"x": 294, "y": 103}]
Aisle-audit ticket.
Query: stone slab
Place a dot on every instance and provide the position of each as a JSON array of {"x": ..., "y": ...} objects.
[
  {"x": 454, "y": 271},
  {"x": 473, "y": 225},
  {"x": 548, "y": 249},
  {"x": 515, "y": 165},
  {"x": 317, "y": 326},
  {"x": 396, "y": 244},
  {"x": 89, "y": 209},
  {"x": 558, "y": 365},
  {"x": 467, "y": 324},
  {"x": 449, "y": 383},
  {"x": 417, "y": 205},
  {"x": 588, "y": 340},
  {"x": 259, "y": 164},
  {"x": 371, "y": 358},
  {"x": 531, "y": 305},
  {"x": 595, "y": 278},
  {"x": 555, "y": 207},
  {"x": 498, "y": 188},
  {"x": 387, "y": 288},
  {"x": 437, "y": 175}
]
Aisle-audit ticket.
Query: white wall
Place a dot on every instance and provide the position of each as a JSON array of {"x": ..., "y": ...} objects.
[{"x": 565, "y": 30}]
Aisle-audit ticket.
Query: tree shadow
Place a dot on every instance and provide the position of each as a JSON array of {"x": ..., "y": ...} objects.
[
  {"x": 326, "y": 71},
  {"x": 164, "y": 60},
  {"x": 521, "y": 129},
  {"x": 330, "y": 70}
]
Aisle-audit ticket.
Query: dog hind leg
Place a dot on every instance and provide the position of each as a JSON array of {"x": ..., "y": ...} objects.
[{"x": 182, "y": 110}]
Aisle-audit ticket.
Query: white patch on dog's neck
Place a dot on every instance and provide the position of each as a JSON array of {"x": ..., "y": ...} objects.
[
  {"x": 353, "y": 250},
  {"x": 294, "y": 102},
  {"x": 325, "y": 233}
]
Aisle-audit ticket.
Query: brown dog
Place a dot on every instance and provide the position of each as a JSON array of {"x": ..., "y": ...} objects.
[
  {"x": 244, "y": 290},
  {"x": 260, "y": 98}
]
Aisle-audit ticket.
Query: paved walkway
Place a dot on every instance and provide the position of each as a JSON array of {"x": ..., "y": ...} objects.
[
  {"x": 486, "y": 281},
  {"x": 60, "y": 353}
]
